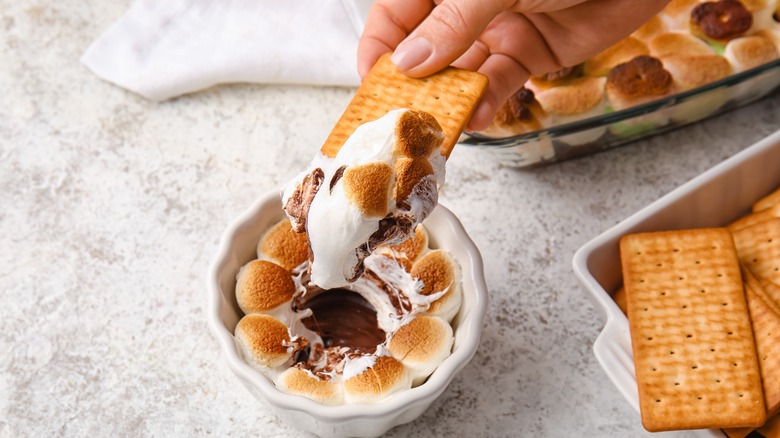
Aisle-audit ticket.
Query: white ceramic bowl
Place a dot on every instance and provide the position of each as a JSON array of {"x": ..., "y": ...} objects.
[
  {"x": 238, "y": 246},
  {"x": 714, "y": 198}
]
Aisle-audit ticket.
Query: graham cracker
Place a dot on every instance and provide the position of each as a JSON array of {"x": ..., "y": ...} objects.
[
  {"x": 755, "y": 218},
  {"x": 738, "y": 432},
  {"x": 620, "y": 299},
  {"x": 451, "y": 95},
  {"x": 767, "y": 201},
  {"x": 758, "y": 247},
  {"x": 766, "y": 329},
  {"x": 772, "y": 291},
  {"x": 771, "y": 429},
  {"x": 694, "y": 352}
]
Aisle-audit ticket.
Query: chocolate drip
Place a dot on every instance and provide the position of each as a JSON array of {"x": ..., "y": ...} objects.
[
  {"x": 517, "y": 107},
  {"x": 336, "y": 177},
  {"x": 344, "y": 319},
  {"x": 392, "y": 230},
  {"x": 297, "y": 206},
  {"x": 398, "y": 300},
  {"x": 399, "y": 225}
]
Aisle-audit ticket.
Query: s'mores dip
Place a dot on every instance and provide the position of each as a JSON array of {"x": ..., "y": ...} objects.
[
  {"x": 384, "y": 332},
  {"x": 348, "y": 301}
]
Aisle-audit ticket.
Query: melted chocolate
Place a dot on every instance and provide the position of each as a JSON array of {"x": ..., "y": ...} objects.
[
  {"x": 400, "y": 302},
  {"x": 298, "y": 204},
  {"x": 336, "y": 177},
  {"x": 344, "y": 319}
]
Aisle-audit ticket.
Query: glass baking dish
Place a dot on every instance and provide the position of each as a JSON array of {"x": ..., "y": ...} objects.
[{"x": 609, "y": 130}]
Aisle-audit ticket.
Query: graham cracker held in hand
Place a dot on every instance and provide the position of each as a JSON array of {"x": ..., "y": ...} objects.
[
  {"x": 694, "y": 352},
  {"x": 450, "y": 95},
  {"x": 758, "y": 247}
]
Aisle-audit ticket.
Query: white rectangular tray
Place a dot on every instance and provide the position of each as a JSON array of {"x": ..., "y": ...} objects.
[{"x": 714, "y": 198}]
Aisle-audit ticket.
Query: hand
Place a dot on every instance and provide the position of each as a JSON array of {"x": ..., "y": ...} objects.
[{"x": 507, "y": 41}]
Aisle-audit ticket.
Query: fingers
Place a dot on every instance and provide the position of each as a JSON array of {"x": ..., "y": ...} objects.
[
  {"x": 445, "y": 34},
  {"x": 572, "y": 39},
  {"x": 505, "y": 77},
  {"x": 531, "y": 6},
  {"x": 516, "y": 51},
  {"x": 387, "y": 24}
]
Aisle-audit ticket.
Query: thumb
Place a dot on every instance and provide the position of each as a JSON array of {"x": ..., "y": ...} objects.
[{"x": 445, "y": 34}]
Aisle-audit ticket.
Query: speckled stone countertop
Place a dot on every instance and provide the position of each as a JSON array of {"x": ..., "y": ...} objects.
[{"x": 111, "y": 208}]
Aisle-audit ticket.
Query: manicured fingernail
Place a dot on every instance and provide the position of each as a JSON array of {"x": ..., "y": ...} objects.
[{"x": 411, "y": 53}]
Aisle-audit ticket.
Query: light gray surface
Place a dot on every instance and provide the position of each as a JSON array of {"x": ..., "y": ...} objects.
[{"x": 111, "y": 208}]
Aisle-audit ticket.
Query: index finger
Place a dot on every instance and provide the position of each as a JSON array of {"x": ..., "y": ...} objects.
[{"x": 387, "y": 24}]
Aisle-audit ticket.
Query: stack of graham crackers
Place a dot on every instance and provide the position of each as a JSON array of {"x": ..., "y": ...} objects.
[{"x": 704, "y": 312}]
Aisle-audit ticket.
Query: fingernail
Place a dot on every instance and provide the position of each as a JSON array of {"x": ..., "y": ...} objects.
[{"x": 411, "y": 53}]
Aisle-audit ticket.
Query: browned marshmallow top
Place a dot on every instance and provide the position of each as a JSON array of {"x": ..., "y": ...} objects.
[
  {"x": 421, "y": 339},
  {"x": 381, "y": 377},
  {"x": 263, "y": 285},
  {"x": 368, "y": 187},
  {"x": 640, "y": 77},
  {"x": 623, "y": 51},
  {"x": 266, "y": 337},
  {"x": 285, "y": 246},
  {"x": 408, "y": 173},
  {"x": 521, "y": 108},
  {"x": 721, "y": 20},
  {"x": 678, "y": 43},
  {"x": 693, "y": 71},
  {"x": 576, "y": 96},
  {"x": 412, "y": 247},
  {"x": 436, "y": 270},
  {"x": 298, "y": 381},
  {"x": 418, "y": 134},
  {"x": 750, "y": 51}
]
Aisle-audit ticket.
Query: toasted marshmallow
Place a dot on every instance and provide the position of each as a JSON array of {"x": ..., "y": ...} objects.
[
  {"x": 381, "y": 184},
  {"x": 283, "y": 246},
  {"x": 623, "y": 51},
  {"x": 409, "y": 250},
  {"x": 771, "y": 34},
  {"x": 693, "y": 71},
  {"x": 386, "y": 376},
  {"x": 521, "y": 113},
  {"x": 422, "y": 345},
  {"x": 720, "y": 21},
  {"x": 652, "y": 27},
  {"x": 751, "y": 51},
  {"x": 333, "y": 347},
  {"x": 575, "y": 99},
  {"x": 440, "y": 274},
  {"x": 763, "y": 12},
  {"x": 263, "y": 340},
  {"x": 302, "y": 382},
  {"x": 262, "y": 286},
  {"x": 638, "y": 81},
  {"x": 676, "y": 15},
  {"x": 678, "y": 43},
  {"x": 392, "y": 292}
]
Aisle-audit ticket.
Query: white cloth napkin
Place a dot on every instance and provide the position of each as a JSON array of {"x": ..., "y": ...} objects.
[{"x": 161, "y": 49}]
